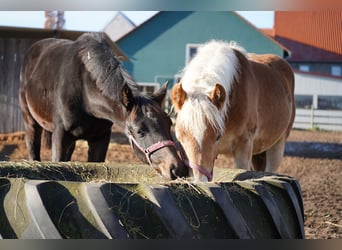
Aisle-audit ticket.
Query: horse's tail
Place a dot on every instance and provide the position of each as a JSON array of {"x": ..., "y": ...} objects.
[{"x": 46, "y": 139}]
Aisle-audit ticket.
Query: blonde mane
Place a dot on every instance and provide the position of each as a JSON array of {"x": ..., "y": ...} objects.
[{"x": 214, "y": 63}]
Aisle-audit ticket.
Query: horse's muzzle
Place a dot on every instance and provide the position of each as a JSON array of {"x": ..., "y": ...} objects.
[{"x": 178, "y": 171}]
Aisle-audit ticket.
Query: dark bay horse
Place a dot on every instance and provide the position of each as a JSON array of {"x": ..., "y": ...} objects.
[
  {"x": 233, "y": 103},
  {"x": 77, "y": 90}
]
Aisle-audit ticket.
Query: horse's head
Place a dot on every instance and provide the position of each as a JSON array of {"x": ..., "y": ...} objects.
[
  {"x": 199, "y": 127},
  {"x": 148, "y": 128}
]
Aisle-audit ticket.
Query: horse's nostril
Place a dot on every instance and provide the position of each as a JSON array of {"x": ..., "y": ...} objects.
[
  {"x": 173, "y": 172},
  {"x": 178, "y": 172}
]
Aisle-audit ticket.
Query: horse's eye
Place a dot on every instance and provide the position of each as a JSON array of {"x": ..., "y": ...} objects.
[
  {"x": 141, "y": 133},
  {"x": 218, "y": 137}
]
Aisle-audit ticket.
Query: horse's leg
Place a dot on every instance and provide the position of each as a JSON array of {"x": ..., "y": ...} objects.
[
  {"x": 275, "y": 154},
  {"x": 259, "y": 161},
  {"x": 61, "y": 145},
  {"x": 243, "y": 154},
  {"x": 70, "y": 150},
  {"x": 98, "y": 148},
  {"x": 33, "y": 132}
]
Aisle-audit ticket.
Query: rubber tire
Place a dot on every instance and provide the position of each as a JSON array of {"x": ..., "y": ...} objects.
[{"x": 253, "y": 206}]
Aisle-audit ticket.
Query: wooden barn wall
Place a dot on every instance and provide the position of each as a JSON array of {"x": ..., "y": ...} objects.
[{"x": 12, "y": 51}]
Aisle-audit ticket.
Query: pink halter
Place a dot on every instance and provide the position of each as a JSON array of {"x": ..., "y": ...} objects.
[
  {"x": 192, "y": 165},
  {"x": 201, "y": 169},
  {"x": 153, "y": 148},
  {"x": 168, "y": 143}
]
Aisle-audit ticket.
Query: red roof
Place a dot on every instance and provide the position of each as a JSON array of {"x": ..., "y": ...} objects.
[
  {"x": 310, "y": 36},
  {"x": 268, "y": 32}
]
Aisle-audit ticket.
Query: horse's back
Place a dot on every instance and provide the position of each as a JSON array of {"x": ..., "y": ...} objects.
[
  {"x": 38, "y": 79},
  {"x": 37, "y": 57},
  {"x": 275, "y": 67}
]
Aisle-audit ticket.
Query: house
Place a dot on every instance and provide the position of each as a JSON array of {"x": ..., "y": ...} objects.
[
  {"x": 14, "y": 42},
  {"x": 160, "y": 47},
  {"x": 314, "y": 39},
  {"x": 315, "y": 42}
]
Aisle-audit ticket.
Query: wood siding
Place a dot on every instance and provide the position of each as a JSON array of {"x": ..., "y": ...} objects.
[{"x": 12, "y": 51}]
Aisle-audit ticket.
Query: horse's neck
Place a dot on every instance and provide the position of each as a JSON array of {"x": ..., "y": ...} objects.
[{"x": 103, "y": 107}]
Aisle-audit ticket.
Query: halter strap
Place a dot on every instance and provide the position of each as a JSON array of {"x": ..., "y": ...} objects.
[
  {"x": 168, "y": 143},
  {"x": 201, "y": 169},
  {"x": 153, "y": 148},
  {"x": 192, "y": 165}
]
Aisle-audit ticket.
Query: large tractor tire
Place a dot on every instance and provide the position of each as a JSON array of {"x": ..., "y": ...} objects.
[{"x": 37, "y": 201}]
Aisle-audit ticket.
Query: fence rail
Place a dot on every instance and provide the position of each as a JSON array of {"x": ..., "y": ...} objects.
[{"x": 318, "y": 119}]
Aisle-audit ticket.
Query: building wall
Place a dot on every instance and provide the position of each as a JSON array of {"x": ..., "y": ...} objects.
[
  {"x": 323, "y": 68},
  {"x": 157, "y": 48},
  {"x": 316, "y": 84},
  {"x": 12, "y": 51},
  {"x": 318, "y": 101}
]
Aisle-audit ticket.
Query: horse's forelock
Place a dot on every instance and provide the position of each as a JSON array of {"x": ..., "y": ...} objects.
[
  {"x": 196, "y": 113},
  {"x": 146, "y": 104},
  {"x": 215, "y": 62}
]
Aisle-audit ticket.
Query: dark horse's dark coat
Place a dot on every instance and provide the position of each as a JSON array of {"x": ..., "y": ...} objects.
[{"x": 77, "y": 90}]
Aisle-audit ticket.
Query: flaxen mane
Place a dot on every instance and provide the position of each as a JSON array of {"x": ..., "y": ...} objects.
[{"x": 214, "y": 63}]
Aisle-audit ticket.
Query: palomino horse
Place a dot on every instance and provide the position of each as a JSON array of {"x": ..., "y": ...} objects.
[
  {"x": 77, "y": 90},
  {"x": 233, "y": 103}
]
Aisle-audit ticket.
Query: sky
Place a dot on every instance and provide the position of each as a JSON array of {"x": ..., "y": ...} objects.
[{"x": 97, "y": 20}]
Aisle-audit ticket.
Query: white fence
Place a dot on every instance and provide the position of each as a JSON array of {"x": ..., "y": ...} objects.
[
  {"x": 318, "y": 119},
  {"x": 324, "y": 95}
]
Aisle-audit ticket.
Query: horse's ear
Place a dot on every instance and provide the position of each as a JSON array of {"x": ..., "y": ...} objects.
[
  {"x": 126, "y": 97},
  {"x": 218, "y": 95},
  {"x": 159, "y": 94},
  {"x": 178, "y": 96}
]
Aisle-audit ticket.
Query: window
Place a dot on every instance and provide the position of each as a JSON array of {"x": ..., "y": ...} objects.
[
  {"x": 148, "y": 87},
  {"x": 336, "y": 70},
  {"x": 304, "y": 101},
  {"x": 191, "y": 50},
  {"x": 304, "y": 68},
  {"x": 330, "y": 102}
]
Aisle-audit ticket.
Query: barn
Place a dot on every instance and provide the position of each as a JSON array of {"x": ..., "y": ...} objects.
[
  {"x": 14, "y": 42},
  {"x": 160, "y": 47},
  {"x": 314, "y": 40}
]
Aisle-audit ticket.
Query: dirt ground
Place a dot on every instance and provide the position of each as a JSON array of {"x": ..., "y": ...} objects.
[{"x": 314, "y": 158}]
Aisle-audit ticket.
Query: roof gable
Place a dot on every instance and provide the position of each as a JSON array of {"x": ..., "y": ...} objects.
[
  {"x": 165, "y": 20},
  {"x": 118, "y": 26},
  {"x": 157, "y": 48}
]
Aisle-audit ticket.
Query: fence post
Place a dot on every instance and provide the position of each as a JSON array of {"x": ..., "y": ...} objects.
[{"x": 312, "y": 117}]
